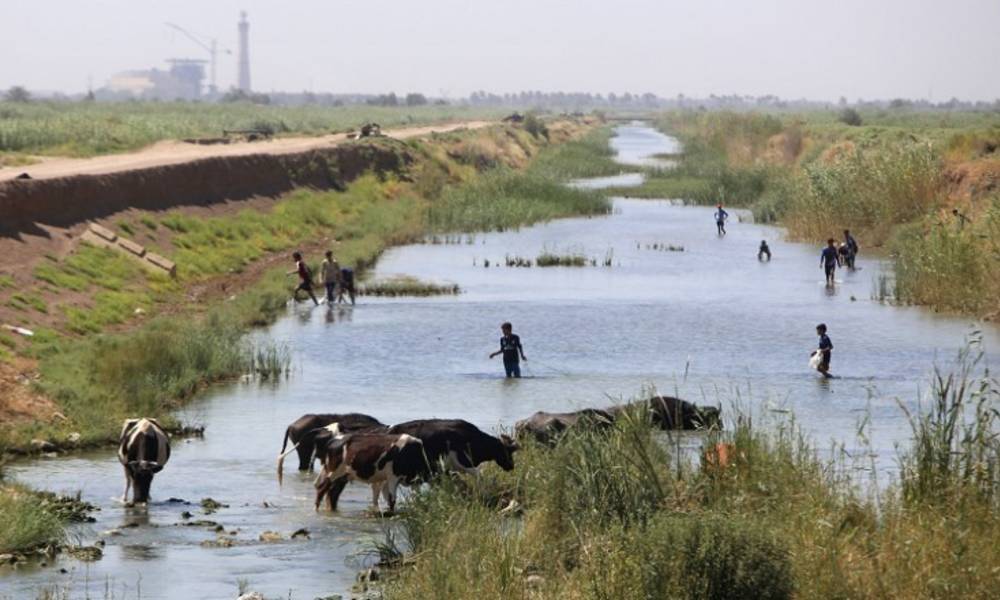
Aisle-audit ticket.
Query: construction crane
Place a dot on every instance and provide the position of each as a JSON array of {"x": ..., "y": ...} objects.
[{"x": 211, "y": 46}]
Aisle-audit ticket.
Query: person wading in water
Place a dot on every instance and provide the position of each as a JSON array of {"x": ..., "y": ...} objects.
[
  {"x": 825, "y": 349},
  {"x": 305, "y": 278},
  {"x": 510, "y": 347},
  {"x": 764, "y": 251},
  {"x": 720, "y": 220},
  {"x": 330, "y": 271},
  {"x": 852, "y": 248},
  {"x": 828, "y": 260}
]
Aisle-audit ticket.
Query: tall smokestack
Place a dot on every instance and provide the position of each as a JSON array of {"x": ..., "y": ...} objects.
[{"x": 244, "y": 72}]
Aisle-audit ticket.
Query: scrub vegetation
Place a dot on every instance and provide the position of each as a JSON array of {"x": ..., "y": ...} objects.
[
  {"x": 920, "y": 185},
  {"x": 625, "y": 515},
  {"x": 90, "y": 128}
]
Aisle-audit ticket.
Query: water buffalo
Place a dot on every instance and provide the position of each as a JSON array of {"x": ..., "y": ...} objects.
[
  {"x": 547, "y": 428},
  {"x": 143, "y": 450},
  {"x": 302, "y": 433},
  {"x": 382, "y": 460},
  {"x": 667, "y": 412},
  {"x": 462, "y": 445}
]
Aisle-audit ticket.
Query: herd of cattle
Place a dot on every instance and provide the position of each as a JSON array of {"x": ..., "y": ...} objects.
[{"x": 357, "y": 447}]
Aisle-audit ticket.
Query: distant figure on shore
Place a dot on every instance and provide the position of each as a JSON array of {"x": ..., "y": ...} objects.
[
  {"x": 829, "y": 260},
  {"x": 823, "y": 351},
  {"x": 720, "y": 219},
  {"x": 305, "y": 278},
  {"x": 330, "y": 272},
  {"x": 510, "y": 347},
  {"x": 852, "y": 248},
  {"x": 346, "y": 285},
  {"x": 764, "y": 251}
]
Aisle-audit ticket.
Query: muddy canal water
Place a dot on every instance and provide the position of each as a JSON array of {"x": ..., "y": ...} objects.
[{"x": 709, "y": 323}]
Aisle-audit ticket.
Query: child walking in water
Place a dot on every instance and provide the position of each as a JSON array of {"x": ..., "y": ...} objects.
[
  {"x": 330, "y": 271},
  {"x": 825, "y": 348},
  {"x": 305, "y": 278},
  {"x": 829, "y": 259},
  {"x": 510, "y": 347},
  {"x": 720, "y": 220}
]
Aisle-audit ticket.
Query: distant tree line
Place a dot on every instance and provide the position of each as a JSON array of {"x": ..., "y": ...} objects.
[{"x": 563, "y": 101}]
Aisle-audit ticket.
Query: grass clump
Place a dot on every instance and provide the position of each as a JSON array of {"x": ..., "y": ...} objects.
[
  {"x": 25, "y": 523},
  {"x": 551, "y": 259},
  {"x": 407, "y": 286},
  {"x": 503, "y": 199}
]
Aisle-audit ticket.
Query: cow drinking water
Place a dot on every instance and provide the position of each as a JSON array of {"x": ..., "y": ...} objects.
[
  {"x": 547, "y": 428},
  {"x": 143, "y": 450},
  {"x": 461, "y": 445}
]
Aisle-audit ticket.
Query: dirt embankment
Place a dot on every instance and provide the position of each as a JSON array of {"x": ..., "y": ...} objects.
[{"x": 27, "y": 205}]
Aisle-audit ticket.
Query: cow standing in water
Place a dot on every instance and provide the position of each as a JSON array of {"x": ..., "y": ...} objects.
[
  {"x": 382, "y": 460},
  {"x": 461, "y": 445},
  {"x": 143, "y": 450},
  {"x": 303, "y": 433}
]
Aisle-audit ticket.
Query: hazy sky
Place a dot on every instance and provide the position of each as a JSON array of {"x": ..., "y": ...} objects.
[{"x": 792, "y": 48}]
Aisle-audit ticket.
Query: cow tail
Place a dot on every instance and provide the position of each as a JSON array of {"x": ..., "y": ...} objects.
[{"x": 281, "y": 457}]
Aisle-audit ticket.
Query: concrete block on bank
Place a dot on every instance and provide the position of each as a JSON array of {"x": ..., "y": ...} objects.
[
  {"x": 163, "y": 263},
  {"x": 103, "y": 232},
  {"x": 132, "y": 247}
]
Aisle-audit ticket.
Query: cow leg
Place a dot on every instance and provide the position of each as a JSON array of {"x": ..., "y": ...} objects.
[
  {"x": 336, "y": 488},
  {"x": 322, "y": 489},
  {"x": 376, "y": 489},
  {"x": 389, "y": 491},
  {"x": 458, "y": 464},
  {"x": 305, "y": 452},
  {"x": 128, "y": 484}
]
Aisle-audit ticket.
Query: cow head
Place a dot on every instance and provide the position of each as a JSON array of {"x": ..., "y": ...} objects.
[
  {"x": 505, "y": 457},
  {"x": 142, "y": 478}
]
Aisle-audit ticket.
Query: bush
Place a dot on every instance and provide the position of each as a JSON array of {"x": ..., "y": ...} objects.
[{"x": 851, "y": 117}]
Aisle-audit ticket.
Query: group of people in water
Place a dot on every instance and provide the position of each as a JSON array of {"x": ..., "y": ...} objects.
[
  {"x": 338, "y": 281},
  {"x": 832, "y": 257}
]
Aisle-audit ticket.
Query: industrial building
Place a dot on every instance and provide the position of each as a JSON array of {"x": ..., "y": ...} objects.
[{"x": 184, "y": 78}]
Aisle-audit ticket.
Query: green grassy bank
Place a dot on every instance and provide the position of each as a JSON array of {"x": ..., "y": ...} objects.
[
  {"x": 893, "y": 180},
  {"x": 625, "y": 515}
]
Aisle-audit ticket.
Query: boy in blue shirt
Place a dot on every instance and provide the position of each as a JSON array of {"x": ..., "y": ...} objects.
[
  {"x": 720, "y": 220},
  {"x": 825, "y": 348},
  {"x": 829, "y": 259},
  {"x": 510, "y": 347}
]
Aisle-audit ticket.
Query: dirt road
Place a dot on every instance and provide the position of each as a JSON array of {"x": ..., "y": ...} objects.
[{"x": 174, "y": 152}]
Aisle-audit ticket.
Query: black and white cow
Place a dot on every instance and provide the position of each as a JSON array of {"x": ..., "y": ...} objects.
[
  {"x": 380, "y": 459},
  {"x": 461, "y": 445},
  {"x": 667, "y": 412},
  {"x": 546, "y": 428},
  {"x": 303, "y": 432},
  {"x": 143, "y": 449}
]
